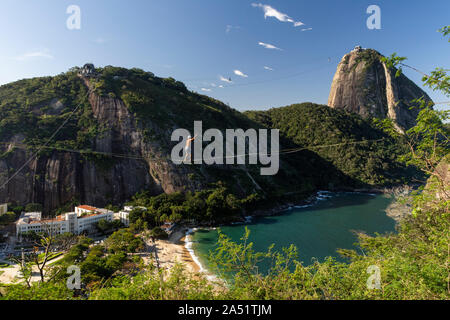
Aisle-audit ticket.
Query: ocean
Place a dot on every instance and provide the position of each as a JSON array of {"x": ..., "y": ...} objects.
[{"x": 317, "y": 230}]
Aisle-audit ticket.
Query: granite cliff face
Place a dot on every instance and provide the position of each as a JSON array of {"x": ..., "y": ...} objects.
[
  {"x": 364, "y": 85},
  {"x": 117, "y": 144},
  {"x": 59, "y": 178}
]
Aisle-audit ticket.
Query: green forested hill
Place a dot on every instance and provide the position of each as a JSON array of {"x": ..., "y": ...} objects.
[
  {"x": 312, "y": 125},
  {"x": 35, "y": 108},
  {"x": 31, "y": 110}
]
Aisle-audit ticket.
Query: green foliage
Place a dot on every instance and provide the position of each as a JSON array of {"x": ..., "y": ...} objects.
[
  {"x": 165, "y": 101},
  {"x": 38, "y": 291},
  {"x": 33, "y": 207},
  {"x": 158, "y": 233},
  {"x": 438, "y": 80},
  {"x": 7, "y": 218},
  {"x": 413, "y": 264},
  {"x": 35, "y": 107},
  {"x": 76, "y": 252},
  {"x": 216, "y": 204},
  {"x": 350, "y": 140},
  {"x": 388, "y": 126},
  {"x": 445, "y": 31},
  {"x": 429, "y": 139},
  {"x": 106, "y": 227},
  {"x": 394, "y": 61},
  {"x": 177, "y": 285},
  {"x": 123, "y": 241},
  {"x": 100, "y": 263}
]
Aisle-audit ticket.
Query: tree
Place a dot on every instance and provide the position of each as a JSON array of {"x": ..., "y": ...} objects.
[
  {"x": 158, "y": 233},
  {"x": 105, "y": 226},
  {"x": 123, "y": 241},
  {"x": 428, "y": 140},
  {"x": 7, "y": 218},
  {"x": 33, "y": 207}
]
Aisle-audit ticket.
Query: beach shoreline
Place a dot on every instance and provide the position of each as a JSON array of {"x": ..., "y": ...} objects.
[
  {"x": 178, "y": 249},
  {"x": 173, "y": 250},
  {"x": 179, "y": 244}
]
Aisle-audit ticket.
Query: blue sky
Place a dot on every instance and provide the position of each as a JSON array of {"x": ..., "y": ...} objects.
[{"x": 199, "y": 41}]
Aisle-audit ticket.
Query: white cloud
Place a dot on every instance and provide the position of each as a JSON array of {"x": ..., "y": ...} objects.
[
  {"x": 229, "y": 28},
  {"x": 307, "y": 29},
  {"x": 272, "y": 12},
  {"x": 225, "y": 79},
  {"x": 268, "y": 68},
  {"x": 268, "y": 46},
  {"x": 207, "y": 90},
  {"x": 240, "y": 74},
  {"x": 44, "y": 53},
  {"x": 220, "y": 86}
]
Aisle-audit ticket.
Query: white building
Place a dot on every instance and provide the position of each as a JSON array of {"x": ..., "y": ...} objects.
[
  {"x": 3, "y": 208},
  {"x": 83, "y": 219},
  {"x": 124, "y": 215}
]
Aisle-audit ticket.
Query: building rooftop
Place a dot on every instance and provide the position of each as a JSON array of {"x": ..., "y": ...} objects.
[
  {"x": 86, "y": 207},
  {"x": 58, "y": 218}
]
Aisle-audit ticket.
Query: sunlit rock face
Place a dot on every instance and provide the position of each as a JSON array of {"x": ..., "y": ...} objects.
[{"x": 363, "y": 84}]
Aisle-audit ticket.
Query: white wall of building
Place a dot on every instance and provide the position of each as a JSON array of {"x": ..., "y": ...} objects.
[
  {"x": 71, "y": 222},
  {"x": 3, "y": 208}
]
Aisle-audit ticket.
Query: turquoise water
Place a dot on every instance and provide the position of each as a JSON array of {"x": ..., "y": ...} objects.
[{"x": 317, "y": 231}]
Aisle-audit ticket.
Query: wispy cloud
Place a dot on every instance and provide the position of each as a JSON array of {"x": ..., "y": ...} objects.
[
  {"x": 272, "y": 12},
  {"x": 39, "y": 54},
  {"x": 268, "y": 68},
  {"x": 307, "y": 29},
  {"x": 225, "y": 79},
  {"x": 100, "y": 40},
  {"x": 240, "y": 74},
  {"x": 268, "y": 46},
  {"x": 207, "y": 90},
  {"x": 229, "y": 28}
]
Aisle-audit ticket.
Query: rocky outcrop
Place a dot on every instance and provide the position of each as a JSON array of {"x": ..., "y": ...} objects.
[
  {"x": 57, "y": 178},
  {"x": 363, "y": 84}
]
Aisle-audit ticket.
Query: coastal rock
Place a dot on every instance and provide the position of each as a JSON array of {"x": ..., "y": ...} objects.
[{"x": 363, "y": 84}]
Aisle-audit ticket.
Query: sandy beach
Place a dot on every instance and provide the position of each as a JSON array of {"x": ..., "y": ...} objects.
[{"x": 173, "y": 250}]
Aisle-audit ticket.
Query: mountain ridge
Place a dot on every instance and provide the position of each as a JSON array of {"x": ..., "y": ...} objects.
[{"x": 130, "y": 111}]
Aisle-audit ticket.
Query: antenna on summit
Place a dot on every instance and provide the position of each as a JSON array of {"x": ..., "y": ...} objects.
[{"x": 88, "y": 70}]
